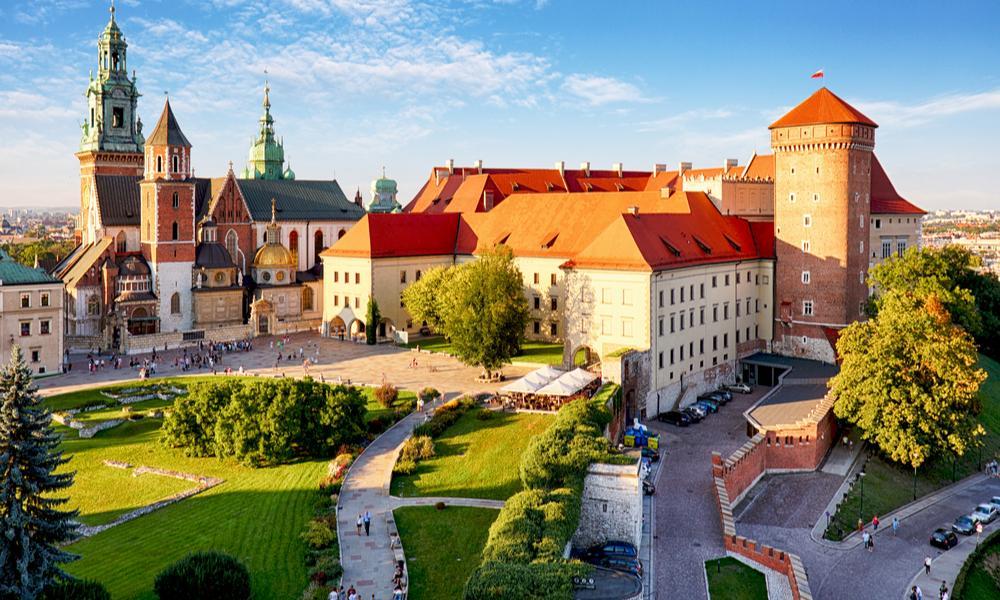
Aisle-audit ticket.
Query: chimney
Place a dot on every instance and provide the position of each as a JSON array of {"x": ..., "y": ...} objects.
[
  {"x": 633, "y": 210},
  {"x": 561, "y": 166},
  {"x": 617, "y": 167},
  {"x": 684, "y": 166},
  {"x": 585, "y": 167},
  {"x": 730, "y": 163},
  {"x": 665, "y": 192},
  {"x": 451, "y": 166},
  {"x": 659, "y": 168},
  {"x": 478, "y": 166}
]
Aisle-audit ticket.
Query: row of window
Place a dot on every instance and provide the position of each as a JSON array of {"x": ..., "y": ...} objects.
[
  {"x": 347, "y": 277},
  {"x": 537, "y": 279},
  {"x": 678, "y": 318},
  {"x": 685, "y": 293},
  {"x": 536, "y": 328},
  {"x": 175, "y": 166},
  {"x": 684, "y": 352},
  {"x": 44, "y": 327},
  {"x": 877, "y": 222},
  {"x": 402, "y": 276},
  {"x": 887, "y": 248},
  {"x": 553, "y": 303},
  {"x": 347, "y": 301},
  {"x": 43, "y": 299}
]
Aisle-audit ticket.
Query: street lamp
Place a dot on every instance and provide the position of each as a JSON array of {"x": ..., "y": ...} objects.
[{"x": 861, "y": 509}]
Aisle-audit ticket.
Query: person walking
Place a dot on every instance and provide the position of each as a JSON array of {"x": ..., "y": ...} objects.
[
  {"x": 875, "y": 524},
  {"x": 927, "y": 565},
  {"x": 861, "y": 525},
  {"x": 895, "y": 525},
  {"x": 865, "y": 539},
  {"x": 359, "y": 524},
  {"x": 943, "y": 591},
  {"x": 368, "y": 523}
]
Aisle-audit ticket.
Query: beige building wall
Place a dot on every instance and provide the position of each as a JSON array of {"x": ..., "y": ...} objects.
[
  {"x": 606, "y": 311},
  {"x": 543, "y": 288},
  {"x": 752, "y": 200},
  {"x": 41, "y": 338},
  {"x": 891, "y": 235}
]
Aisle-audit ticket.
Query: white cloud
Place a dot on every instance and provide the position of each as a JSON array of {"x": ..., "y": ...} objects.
[
  {"x": 898, "y": 114},
  {"x": 596, "y": 90},
  {"x": 680, "y": 120}
]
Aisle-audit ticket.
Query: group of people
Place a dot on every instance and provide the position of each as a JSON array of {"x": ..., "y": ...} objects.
[
  {"x": 365, "y": 520},
  {"x": 918, "y": 594},
  {"x": 993, "y": 468}
]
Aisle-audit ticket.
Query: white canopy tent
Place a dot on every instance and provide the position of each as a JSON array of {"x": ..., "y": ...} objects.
[
  {"x": 534, "y": 381},
  {"x": 567, "y": 384}
]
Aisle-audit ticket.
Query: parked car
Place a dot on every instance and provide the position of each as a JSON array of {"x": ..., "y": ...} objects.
[
  {"x": 648, "y": 488},
  {"x": 966, "y": 525},
  {"x": 708, "y": 405},
  {"x": 986, "y": 512},
  {"x": 652, "y": 455},
  {"x": 944, "y": 539},
  {"x": 739, "y": 387},
  {"x": 611, "y": 548},
  {"x": 719, "y": 397},
  {"x": 699, "y": 410},
  {"x": 674, "y": 417},
  {"x": 620, "y": 563},
  {"x": 995, "y": 501},
  {"x": 693, "y": 414},
  {"x": 724, "y": 393}
]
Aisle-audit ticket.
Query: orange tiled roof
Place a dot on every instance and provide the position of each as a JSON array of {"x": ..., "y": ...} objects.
[
  {"x": 822, "y": 107},
  {"x": 885, "y": 199},
  {"x": 385, "y": 235},
  {"x": 761, "y": 166}
]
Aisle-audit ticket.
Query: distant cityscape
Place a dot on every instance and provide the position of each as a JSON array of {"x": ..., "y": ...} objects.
[
  {"x": 976, "y": 230},
  {"x": 23, "y": 225}
]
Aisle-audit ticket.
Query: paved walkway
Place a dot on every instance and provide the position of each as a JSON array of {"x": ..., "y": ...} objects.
[
  {"x": 947, "y": 565},
  {"x": 397, "y": 502}
]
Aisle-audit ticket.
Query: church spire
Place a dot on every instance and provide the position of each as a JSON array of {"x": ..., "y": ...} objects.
[{"x": 267, "y": 153}]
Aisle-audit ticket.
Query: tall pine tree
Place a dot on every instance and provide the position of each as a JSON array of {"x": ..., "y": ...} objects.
[{"x": 31, "y": 524}]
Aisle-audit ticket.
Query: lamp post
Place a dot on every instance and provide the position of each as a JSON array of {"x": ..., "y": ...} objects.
[{"x": 861, "y": 509}]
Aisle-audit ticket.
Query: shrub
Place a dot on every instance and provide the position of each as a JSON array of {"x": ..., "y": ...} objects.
[
  {"x": 76, "y": 589},
  {"x": 485, "y": 415},
  {"x": 329, "y": 565},
  {"x": 404, "y": 467},
  {"x": 319, "y": 534},
  {"x": 440, "y": 505},
  {"x": 539, "y": 581},
  {"x": 417, "y": 448},
  {"x": 331, "y": 485},
  {"x": 386, "y": 394},
  {"x": 316, "y": 591},
  {"x": 429, "y": 394},
  {"x": 204, "y": 575},
  {"x": 377, "y": 426},
  {"x": 444, "y": 417}
]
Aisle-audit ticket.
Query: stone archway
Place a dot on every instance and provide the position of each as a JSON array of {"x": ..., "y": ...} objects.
[
  {"x": 585, "y": 357},
  {"x": 386, "y": 328}
]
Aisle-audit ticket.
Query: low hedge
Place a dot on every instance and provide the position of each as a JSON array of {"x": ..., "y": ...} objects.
[
  {"x": 76, "y": 589},
  {"x": 534, "y": 525},
  {"x": 444, "y": 417},
  {"x": 204, "y": 575},
  {"x": 958, "y": 590},
  {"x": 539, "y": 581}
]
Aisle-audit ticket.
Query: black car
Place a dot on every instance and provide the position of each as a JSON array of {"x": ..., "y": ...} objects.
[
  {"x": 652, "y": 455},
  {"x": 944, "y": 539},
  {"x": 965, "y": 525},
  {"x": 719, "y": 399},
  {"x": 674, "y": 417},
  {"x": 692, "y": 414},
  {"x": 620, "y": 563},
  {"x": 612, "y": 548},
  {"x": 725, "y": 394}
]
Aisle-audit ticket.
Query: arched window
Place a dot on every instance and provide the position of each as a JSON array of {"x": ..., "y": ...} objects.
[
  {"x": 173, "y": 231},
  {"x": 93, "y": 306},
  {"x": 175, "y": 304},
  {"x": 159, "y": 164},
  {"x": 341, "y": 233},
  {"x": 293, "y": 245},
  {"x": 232, "y": 244},
  {"x": 175, "y": 163},
  {"x": 307, "y": 298},
  {"x": 120, "y": 242},
  {"x": 318, "y": 245}
]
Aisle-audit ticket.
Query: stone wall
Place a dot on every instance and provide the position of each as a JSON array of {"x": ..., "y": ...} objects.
[
  {"x": 135, "y": 344},
  {"x": 611, "y": 506}
]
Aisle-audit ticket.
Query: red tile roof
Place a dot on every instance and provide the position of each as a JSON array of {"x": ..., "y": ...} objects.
[
  {"x": 381, "y": 235},
  {"x": 885, "y": 199},
  {"x": 761, "y": 166},
  {"x": 822, "y": 107}
]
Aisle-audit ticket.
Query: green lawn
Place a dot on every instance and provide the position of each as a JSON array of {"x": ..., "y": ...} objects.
[
  {"x": 439, "y": 569},
  {"x": 978, "y": 584},
  {"x": 256, "y": 515},
  {"x": 475, "y": 458},
  {"x": 887, "y": 486},
  {"x": 729, "y": 579},
  {"x": 406, "y": 400},
  {"x": 537, "y": 352}
]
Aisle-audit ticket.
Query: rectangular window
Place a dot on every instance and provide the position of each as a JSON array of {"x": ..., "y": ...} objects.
[
  {"x": 715, "y": 343},
  {"x": 347, "y": 301},
  {"x": 682, "y": 294},
  {"x": 627, "y": 327},
  {"x": 347, "y": 277},
  {"x": 737, "y": 336},
  {"x": 672, "y": 298},
  {"x": 701, "y": 315},
  {"x": 25, "y": 301},
  {"x": 357, "y": 302},
  {"x": 536, "y": 278},
  {"x": 727, "y": 280},
  {"x": 661, "y": 298},
  {"x": 336, "y": 276},
  {"x": 791, "y": 197},
  {"x": 861, "y": 276},
  {"x": 25, "y": 328},
  {"x": 715, "y": 313},
  {"x": 806, "y": 246},
  {"x": 43, "y": 327},
  {"x": 737, "y": 309},
  {"x": 357, "y": 278},
  {"x": 659, "y": 360},
  {"x": 691, "y": 317},
  {"x": 45, "y": 299},
  {"x": 554, "y": 303},
  {"x": 552, "y": 279},
  {"x": 701, "y": 346},
  {"x": 714, "y": 281},
  {"x": 672, "y": 317},
  {"x": 861, "y": 247},
  {"x": 807, "y": 308},
  {"x": 737, "y": 279},
  {"x": 702, "y": 286},
  {"x": 538, "y": 303},
  {"x": 660, "y": 326},
  {"x": 606, "y": 294},
  {"x": 861, "y": 221},
  {"x": 805, "y": 277},
  {"x": 336, "y": 300},
  {"x": 815, "y": 197},
  {"x": 886, "y": 248},
  {"x": 627, "y": 297},
  {"x": 900, "y": 248},
  {"x": 35, "y": 356},
  {"x": 402, "y": 277},
  {"x": 878, "y": 223},
  {"x": 605, "y": 325},
  {"x": 725, "y": 311},
  {"x": 536, "y": 327},
  {"x": 682, "y": 353},
  {"x": 725, "y": 340},
  {"x": 671, "y": 356},
  {"x": 807, "y": 220}
]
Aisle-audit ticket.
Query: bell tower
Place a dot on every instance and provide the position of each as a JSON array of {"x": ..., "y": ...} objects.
[
  {"x": 111, "y": 133},
  {"x": 822, "y": 209},
  {"x": 167, "y": 220}
]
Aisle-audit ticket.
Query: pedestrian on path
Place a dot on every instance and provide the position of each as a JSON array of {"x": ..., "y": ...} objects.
[
  {"x": 865, "y": 539},
  {"x": 875, "y": 524},
  {"x": 895, "y": 525},
  {"x": 368, "y": 523},
  {"x": 861, "y": 525},
  {"x": 927, "y": 565},
  {"x": 916, "y": 593},
  {"x": 333, "y": 595},
  {"x": 359, "y": 524},
  {"x": 943, "y": 591}
]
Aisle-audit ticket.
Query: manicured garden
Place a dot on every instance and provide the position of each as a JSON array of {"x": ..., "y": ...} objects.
[
  {"x": 887, "y": 486},
  {"x": 438, "y": 569},
  {"x": 730, "y": 579},
  {"x": 256, "y": 515},
  {"x": 477, "y": 457},
  {"x": 536, "y": 352}
]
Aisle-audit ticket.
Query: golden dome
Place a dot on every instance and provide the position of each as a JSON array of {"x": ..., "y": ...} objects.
[{"x": 273, "y": 255}]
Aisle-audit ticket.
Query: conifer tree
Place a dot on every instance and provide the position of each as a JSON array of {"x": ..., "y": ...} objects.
[
  {"x": 31, "y": 525},
  {"x": 373, "y": 318}
]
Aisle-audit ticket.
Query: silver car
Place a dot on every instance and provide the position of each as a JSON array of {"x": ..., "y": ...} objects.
[
  {"x": 986, "y": 513},
  {"x": 738, "y": 387}
]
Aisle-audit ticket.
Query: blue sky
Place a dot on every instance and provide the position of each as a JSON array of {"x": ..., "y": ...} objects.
[{"x": 409, "y": 84}]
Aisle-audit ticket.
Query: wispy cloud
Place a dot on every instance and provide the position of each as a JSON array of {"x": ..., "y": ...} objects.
[
  {"x": 681, "y": 120},
  {"x": 596, "y": 90},
  {"x": 899, "y": 114}
]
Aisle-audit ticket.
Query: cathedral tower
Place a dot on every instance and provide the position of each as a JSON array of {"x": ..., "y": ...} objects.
[
  {"x": 267, "y": 153},
  {"x": 167, "y": 220},
  {"x": 111, "y": 133},
  {"x": 822, "y": 202}
]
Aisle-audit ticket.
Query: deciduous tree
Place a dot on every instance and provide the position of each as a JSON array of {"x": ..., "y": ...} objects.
[{"x": 423, "y": 297}]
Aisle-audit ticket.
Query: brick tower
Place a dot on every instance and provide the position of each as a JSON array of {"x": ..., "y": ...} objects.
[
  {"x": 822, "y": 202},
  {"x": 167, "y": 220}
]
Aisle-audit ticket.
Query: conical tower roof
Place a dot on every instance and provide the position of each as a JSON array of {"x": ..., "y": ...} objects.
[
  {"x": 167, "y": 132},
  {"x": 822, "y": 107}
]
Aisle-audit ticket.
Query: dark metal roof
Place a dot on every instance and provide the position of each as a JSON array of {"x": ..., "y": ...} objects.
[
  {"x": 135, "y": 297},
  {"x": 212, "y": 255},
  {"x": 298, "y": 200},
  {"x": 133, "y": 266},
  {"x": 202, "y": 196},
  {"x": 118, "y": 199},
  {"x": 167, "y": 132}
]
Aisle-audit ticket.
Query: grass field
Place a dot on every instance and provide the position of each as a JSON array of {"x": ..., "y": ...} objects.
[
  {"x": 887, "y": 486},
  {"x": 729, "y": 579},
  {"x": 978, "y": 584},
  {"x": 256, "y": 515},
  {"x": 439, "y": 569},
  {"x": 537, "y": 352},
  {"x": 475, "y": 458}
]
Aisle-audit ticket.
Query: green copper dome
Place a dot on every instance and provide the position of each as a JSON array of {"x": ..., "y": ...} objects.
[{"x": 267, "y": 153}]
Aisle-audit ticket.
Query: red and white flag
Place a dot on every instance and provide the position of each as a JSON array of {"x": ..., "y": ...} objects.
[{"x": 817, "y": 75}]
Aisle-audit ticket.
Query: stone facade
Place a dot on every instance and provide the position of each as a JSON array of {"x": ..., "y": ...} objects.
[
  {"x": 31, "y": 316},
  {"x": 611, "y": 506}
]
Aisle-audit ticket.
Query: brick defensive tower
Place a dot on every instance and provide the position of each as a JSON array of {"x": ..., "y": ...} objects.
[{"x": 822, "y": 204}]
